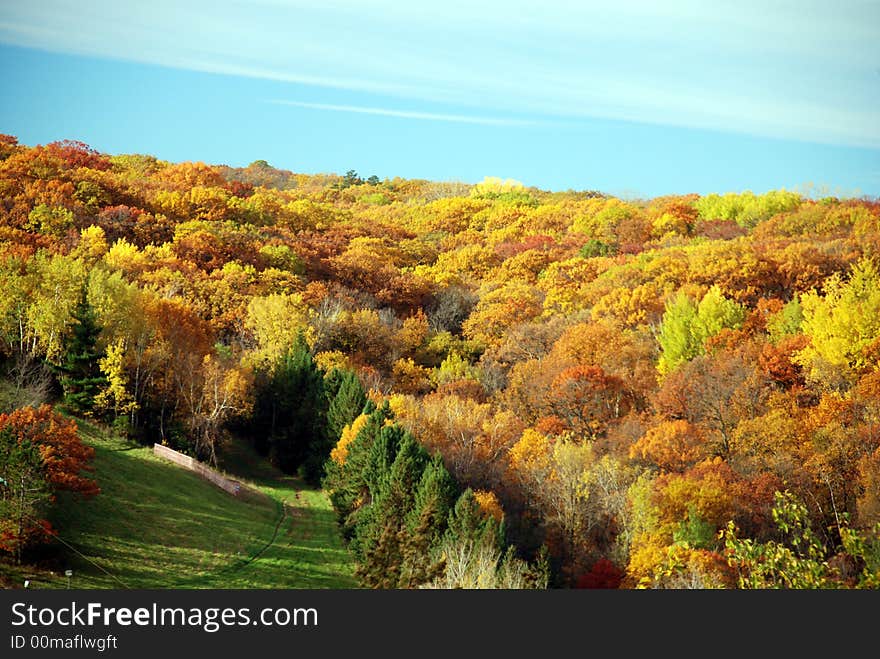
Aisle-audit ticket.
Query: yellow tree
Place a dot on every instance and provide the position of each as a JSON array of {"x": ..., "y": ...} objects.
[
  {"x": 274, "y": 321},
  {"x": 555, "y": 476},
  {"x": 841, "y": 325},
  {"x": 224, "y": 392},
  {"x": 60, "y": 280},
  {"x": 116, "y": 398},
  {"x": 499, "y": 309}
]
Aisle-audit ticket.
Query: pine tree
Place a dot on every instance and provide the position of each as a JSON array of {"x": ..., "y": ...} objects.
[
  {"x": 292, "y": 408},
  {"x": 347, "y": 399},
  {"x": 381, "y": 535},
  {"x": 468, "y": 523},
  {"x": 347, "y": 484},
  {"x": 425, "y": 525},
  {"x": 81, "y": 376}
]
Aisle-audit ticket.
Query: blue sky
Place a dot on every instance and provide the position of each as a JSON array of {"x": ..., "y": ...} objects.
[{"x": 634, "y": 98}]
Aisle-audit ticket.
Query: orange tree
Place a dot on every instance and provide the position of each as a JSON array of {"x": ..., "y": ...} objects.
[{"x": 41, "y": 454}]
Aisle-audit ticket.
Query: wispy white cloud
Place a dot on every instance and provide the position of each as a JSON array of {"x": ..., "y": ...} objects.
[
  {"x": 406, "y": 114},
  {"x": 805, "y": 70}
]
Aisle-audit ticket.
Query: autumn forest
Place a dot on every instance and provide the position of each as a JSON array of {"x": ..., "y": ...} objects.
[{"x": 495, "y": 386}]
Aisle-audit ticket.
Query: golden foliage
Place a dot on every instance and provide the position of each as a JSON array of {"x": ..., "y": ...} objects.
[{"x": 349, "y": 433}]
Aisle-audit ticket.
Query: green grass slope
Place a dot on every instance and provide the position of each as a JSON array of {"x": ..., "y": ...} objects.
[{"x": 157, "y": 525}]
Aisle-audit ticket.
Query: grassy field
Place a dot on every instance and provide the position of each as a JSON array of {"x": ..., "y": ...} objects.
[{"x": 156, "y": 525}]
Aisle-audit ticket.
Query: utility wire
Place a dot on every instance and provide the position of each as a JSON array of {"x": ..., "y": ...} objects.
[{"x": 77, "y": 551}]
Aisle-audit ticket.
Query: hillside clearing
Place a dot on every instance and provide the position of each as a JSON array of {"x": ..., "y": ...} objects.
[{"x": 156, "y": 525}]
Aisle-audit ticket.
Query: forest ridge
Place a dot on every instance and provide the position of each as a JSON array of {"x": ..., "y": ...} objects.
[{"x": 498, "y": 386}]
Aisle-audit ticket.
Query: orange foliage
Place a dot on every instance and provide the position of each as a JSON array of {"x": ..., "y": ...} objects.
[
  {"x": 671, "y": 445},
  {"x": 489, "y": 504},
  {"x": 587, "y": 399},
  {"x": 64, "y": 455},
  {"x": 503, "y": 325},
  {"x": 777, "y": 363}
]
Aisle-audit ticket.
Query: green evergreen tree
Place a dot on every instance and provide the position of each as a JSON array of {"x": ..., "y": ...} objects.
[
  {"x": 347, "y": 483},
  {"x": 468, "y": 523},
  {"x": 403, "y": 515},
  {"x": 382, "y": 457},
  {"x": 434, "y": 499},
  {"x": 291, "y": 409},
  {"x": 81, "y": 377},
  {"x": 425, "y": 525},
  {"x": 381, "y": 541},
  {"x": 347, "y": 399}
]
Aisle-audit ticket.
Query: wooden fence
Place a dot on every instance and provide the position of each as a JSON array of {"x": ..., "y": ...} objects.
[{"x": 185, "y": 461}]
